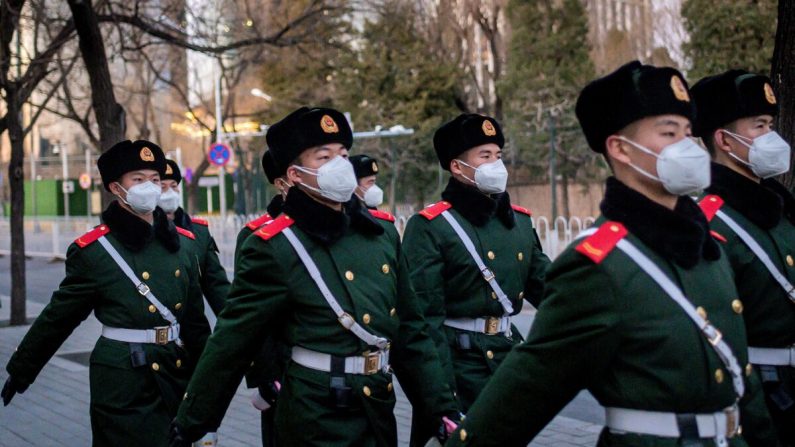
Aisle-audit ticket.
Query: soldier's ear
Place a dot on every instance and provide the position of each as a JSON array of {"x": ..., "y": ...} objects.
[
  {"x": 116, "y": 189},
  {"x": 293, "y": 175},
  {"x": 455, "y": 167},
  {"x": 616, "y": 149}
]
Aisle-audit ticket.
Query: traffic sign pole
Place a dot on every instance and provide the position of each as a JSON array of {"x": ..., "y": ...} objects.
[
  {"x": 219, "y": 133},
  {"x": 88, "y": 190}
]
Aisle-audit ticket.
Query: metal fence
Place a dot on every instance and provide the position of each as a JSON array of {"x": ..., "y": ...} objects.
[{"x": 50, "y": 237}]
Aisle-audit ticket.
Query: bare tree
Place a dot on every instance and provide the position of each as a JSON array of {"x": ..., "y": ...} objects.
[{"x": 783, "y": 76}]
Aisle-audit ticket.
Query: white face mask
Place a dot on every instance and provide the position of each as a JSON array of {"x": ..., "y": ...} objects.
[
  {"x": 682, "y": 167},
  {"x": 336, "y": 180},
  {"x": 374, "y": 196},
  {"x": 169, "y": 201},
  {"x": 768, "y": 154},
  {"x": 490, "y": 178},
  {"x": 142, "y": 197}
]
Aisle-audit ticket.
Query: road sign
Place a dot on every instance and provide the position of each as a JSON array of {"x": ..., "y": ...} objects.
[
  {"x": 68, "y": 187},
  {"x": 84, "y": 180},
  {"x": 208, "y": 182},
  {"x": 219, "y": 154}
]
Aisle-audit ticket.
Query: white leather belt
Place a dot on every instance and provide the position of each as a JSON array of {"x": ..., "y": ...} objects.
[
  {"x": 488, "y": 325},
  {"x": 720, "y": 425},
  {"x": 159, "y": 335},
  {"x": 772, "y": 356},
  {"x": 366, "y": 364}
]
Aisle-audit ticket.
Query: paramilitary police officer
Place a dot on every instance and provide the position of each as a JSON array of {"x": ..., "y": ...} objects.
[
  {"x": 638, "y": 312},
  {"x": 213, "y": 279},
  {"x": 366, "y": 169},
  {"x": 756, "y": 215},
  {"x": 268, "y": 366},
  {"x": 473, "y": 258},
  {"x": 137, "y": 276},
  {"x": 347, "y": 316}
]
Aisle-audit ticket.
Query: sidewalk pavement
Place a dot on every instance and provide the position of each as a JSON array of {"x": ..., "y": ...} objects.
[{"x": 54, "y": 410}]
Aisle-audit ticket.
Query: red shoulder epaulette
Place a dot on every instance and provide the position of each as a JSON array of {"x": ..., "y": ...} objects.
[
  {"x": 202, "y": 222},
  {"x": 598, "y": 245},
  {"x": 275, "y": 227},
  {"x": 710, "y": 206},
  {"x": 522, "y": 210},
  {"x": 186, "y": 233},
  {"x": 433, "y": 211},
  {"x": 383, "y": 215},
  {"x": 258, "y": 222},
  {"x": 91, "y": 237},
  {"x": 718, "y": 236}
]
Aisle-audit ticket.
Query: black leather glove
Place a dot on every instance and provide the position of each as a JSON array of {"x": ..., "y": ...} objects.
[
  {"x": 11, "y": 388},
  {"x": 270, "y": 391},
  {"x": 176, "y": 437}
]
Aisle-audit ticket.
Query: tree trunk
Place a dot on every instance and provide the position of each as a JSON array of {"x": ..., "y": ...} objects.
[
  {"x": 16, "y": 180},
  {"x": 564, "y": 193},
  {"x": 193, "y": 186},
  {"x": 783, "y": 76},
  {"x": 111, "y": 118}
]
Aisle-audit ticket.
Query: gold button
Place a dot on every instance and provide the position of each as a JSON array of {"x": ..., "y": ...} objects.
[
  {"x": 493, "y": 295},
  {"x": 179, "y": 363},
  {"x": 145, "y": 275},
  {"x": 366, "y": 391},
  {"x": 389, "y": 387},
  {"x": 521, "y": 295},
  {"x": 462, "y": 435},
  {"x": 178, "y": 306},
  {"x": 102, "y": 227},
  {"x": 155, "y": 366},
  {"x": 392, "y": 312},
  {"x": 385, "y": 268},
  {"x": 719, "y": 375},
  {"x": 349, "y": 275},
  {"x": 520, "y": 256},
  {"x": 737, "y": 306},
  {"x": 152, "y": 308},
  {"x": 490, "y": 254},
  {"x": 177, "y": 273},
  {"x": 790, "y": 261},
  {"x": 366, "y": 318},
  {"x": 701, "y": 312},
  {"x": 748, "y": 369},
  {"x": 614, "y": 228},
  {"x": 490, "y": 355}
]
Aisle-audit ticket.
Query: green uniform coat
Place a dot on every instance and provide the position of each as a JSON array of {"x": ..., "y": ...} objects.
[
  {"x": 609, "y": 328},
  {"x": 448, "y": 283},
  {"x": 364, "y": 267},
  {"x": 767, "y": 213},
  {"x": 213, "y": 280},
  {"x": 129, "y": 406}
]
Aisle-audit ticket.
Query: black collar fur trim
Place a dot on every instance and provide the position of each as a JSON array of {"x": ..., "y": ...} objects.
[
  {"x": 182, "y": 220},
  {"x": 134, "y": 232},
  {"x": 786, "y": 197},
  {"x": 477, "y": 207},
  {"x": 681, "y": 235},
  {"x": 756, "y": 202},
  {"x": 274, "y": 208},
  {"x": 324, "y": 224}
]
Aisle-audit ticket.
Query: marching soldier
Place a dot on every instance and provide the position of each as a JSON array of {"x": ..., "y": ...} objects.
[
  {"x": 473, "y": 258},
  {"x": 348, "y": 317},
  {"x": 213, "y": 279},
  {"x": 366, "y": 169},
  {"x": 756, "y": 216},
  {"x": 268, "y": 366},
  {"x": 135, "y": 272},
  {"x": 638, "y": 311}
]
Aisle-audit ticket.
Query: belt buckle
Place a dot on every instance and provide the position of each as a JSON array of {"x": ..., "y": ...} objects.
[
  {"x": 488, "y": 275},
  {"x": 731, "y": 421},
  {"x": 143, "y": 289},
  {"x": 161, "y": 335},
  {"x": 714, "y": 340},
  {"x": 492, "y": 326},
  {"x": 372, "y": 361}
]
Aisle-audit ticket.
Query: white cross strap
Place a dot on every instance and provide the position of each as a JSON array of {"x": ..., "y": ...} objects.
[
  {"x": 760, "y": 253},
  {"x": 709, "y": 331},
  {"x": 345, "y": 319},
  {"x": 488, "y": 275},
  {"x": 142, "y": 288}
]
